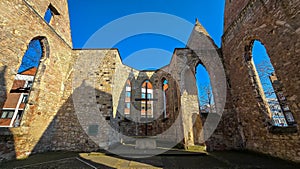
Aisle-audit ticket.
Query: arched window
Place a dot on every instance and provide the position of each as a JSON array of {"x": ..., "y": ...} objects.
[
  {"x": 14, "y": 106},
  {"x": 32, "y": 56},
  {"x": 271, "y": 89},
  {"x": 127, "y": 99},
  {"x": 50, "y": 13},
  {"x": 165, "y": 87},
  {"x": 147, "y": 103},
  {"x": 205, "y": 94}
]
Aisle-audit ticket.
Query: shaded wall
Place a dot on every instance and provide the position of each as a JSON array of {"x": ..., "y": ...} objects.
[
  {"x": 20, "y": 23},
  {"x": 276, "y": 25}
]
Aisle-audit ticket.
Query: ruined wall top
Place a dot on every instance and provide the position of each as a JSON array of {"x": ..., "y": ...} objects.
[
  {"x": 232, "y": 10},
  {"x": 61, "y": 21}
]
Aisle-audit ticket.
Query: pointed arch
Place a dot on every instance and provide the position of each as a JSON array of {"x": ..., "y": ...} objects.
[
  {"x": 267, "y": 85},
  {"x": 147, "y": 93},
  {"x": 205, "y": 93},
  {"x": 15, "y": 105}
]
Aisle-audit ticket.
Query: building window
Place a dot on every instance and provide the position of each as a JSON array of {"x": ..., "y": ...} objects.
[
  {"x": 7, "y": 114},
  {"x": 127, "y": 98},
  {"x": 29, "y": 84},
  {"x": 25, "y": 99},
  {"x": 18, "y": 119},
  {"x": 147, "y": 99}
]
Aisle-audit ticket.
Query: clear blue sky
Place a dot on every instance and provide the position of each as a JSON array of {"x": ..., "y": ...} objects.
[
  {"x": 88, "y": 16},
  {"x": 32, "y": 56},
  {"x": 260, "y": 57}
]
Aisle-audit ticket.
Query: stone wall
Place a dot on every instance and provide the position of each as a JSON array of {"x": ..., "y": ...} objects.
[
  {"x": 134, "y": 124},
  {"x": 7, "y": 149},
  {"x": 19, "y": 25},
  {"x": 276, "y": 25},
  {"x": 60, "y": 22},
  {"x": 82, "y": 123},
  {"x": 220, "y": 126},
  {"x": 50, "y": 122},
  {"x": 94, "y": 78},
  {"x": 170, "y": 129},
  {"x": 232, "y": 11}
]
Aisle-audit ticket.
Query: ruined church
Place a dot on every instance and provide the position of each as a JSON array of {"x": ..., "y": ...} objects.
[{"x": 87, "y": 99}]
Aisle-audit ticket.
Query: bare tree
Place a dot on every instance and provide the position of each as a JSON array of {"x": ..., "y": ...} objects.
[
  {"x": 206, "y": 98},
  {"x": 265, "y": 70}
]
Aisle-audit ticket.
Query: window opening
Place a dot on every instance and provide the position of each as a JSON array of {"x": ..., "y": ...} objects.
[{"x": 272, "y": 90}]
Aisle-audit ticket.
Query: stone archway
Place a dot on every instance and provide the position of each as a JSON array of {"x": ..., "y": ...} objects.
[{"x": 207, "y": 53}]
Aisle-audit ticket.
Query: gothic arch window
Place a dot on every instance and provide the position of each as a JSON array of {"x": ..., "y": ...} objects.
[
  {"x": 268, "y": 86},
  {"x": 205, "y": 94},
  {"x": 17, "y": 99},
  {"x": 127, "y": 98},
  {"x": 165, "y": 87},
  {"x": 147, "y": 104}
]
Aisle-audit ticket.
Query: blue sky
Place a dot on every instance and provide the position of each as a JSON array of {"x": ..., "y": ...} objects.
[
  {"x": 260, "y": 57},
  {"x": 32, "y": 56},
  {"x": 88, "y": 16}
]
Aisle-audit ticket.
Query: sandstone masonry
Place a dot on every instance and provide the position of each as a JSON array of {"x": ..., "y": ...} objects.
[{"x": 77, "y": 95}]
